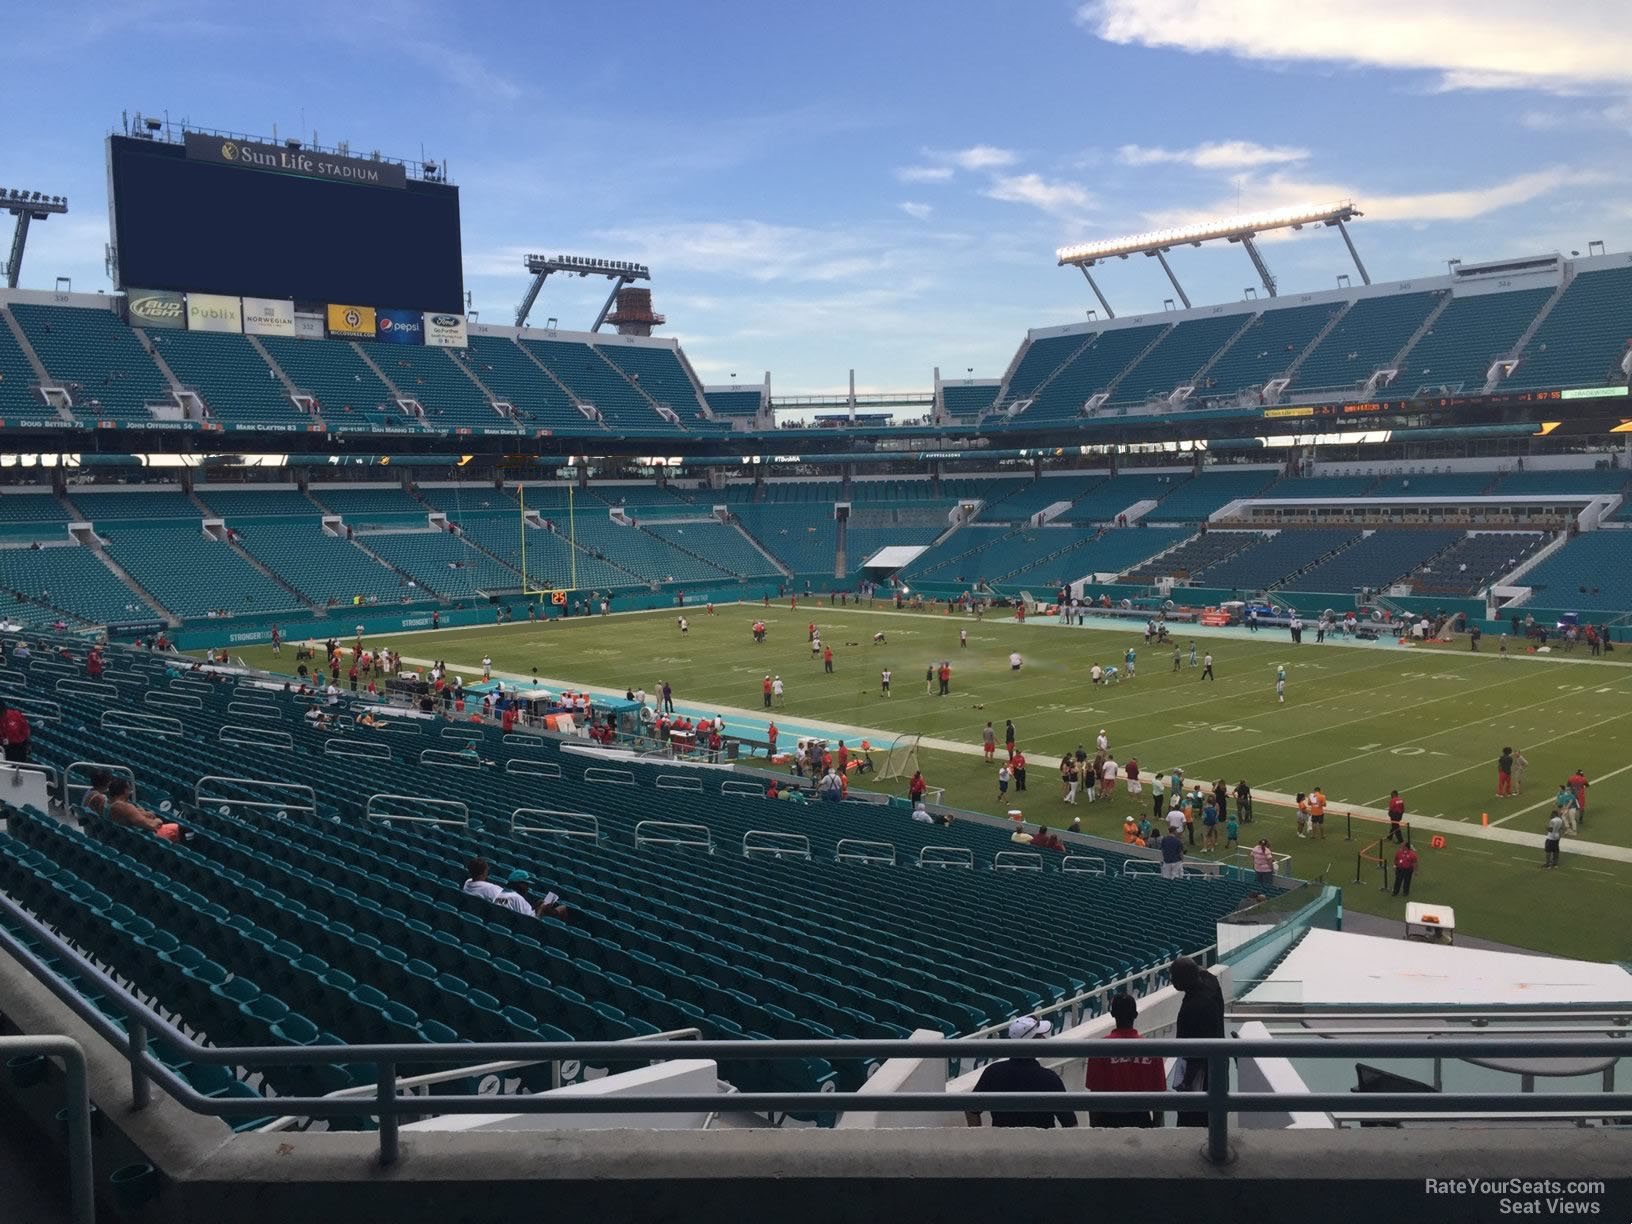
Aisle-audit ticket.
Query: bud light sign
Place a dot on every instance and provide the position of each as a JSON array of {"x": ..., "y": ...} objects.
[
  {"x": 155, "y": 308},
  {"x": 399, "y": 327}
]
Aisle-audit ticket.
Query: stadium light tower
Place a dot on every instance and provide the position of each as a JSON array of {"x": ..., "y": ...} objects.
[
  {"x": 26, "y": 206},
  {"x": 1243, "y": 229},
  {"x": 619, "y": 271}
]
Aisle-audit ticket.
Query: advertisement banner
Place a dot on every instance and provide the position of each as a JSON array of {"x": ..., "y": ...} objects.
[
  {"x": 213, "y": 312},
  {"x": 354, "y": 321},
  {"x": 446, "y": 331},
  {"x": 399, "y": 327},
  {"x": 309, "y": 327},
  {"x": 155, "y": 308},
  {"x": 289, "y": 158},
  {"x": 269, "y": 317}
]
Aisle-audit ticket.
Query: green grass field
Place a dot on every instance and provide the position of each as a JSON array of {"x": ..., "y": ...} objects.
[{"x": 1358, "y": 721}]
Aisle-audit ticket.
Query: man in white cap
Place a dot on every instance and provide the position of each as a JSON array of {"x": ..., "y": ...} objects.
[
  {"x": 1103, "y": 743},
  {"x": 1023, "y": 1075}
]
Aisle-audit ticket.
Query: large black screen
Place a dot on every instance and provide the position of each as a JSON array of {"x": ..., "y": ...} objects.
[{"x": 199, "y": 227}]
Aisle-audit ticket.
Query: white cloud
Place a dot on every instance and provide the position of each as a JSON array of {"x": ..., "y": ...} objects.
[
  {"x": 1460, "y": 204},
  {"x": 983, "y": 157},
  {"x": 924, "y": 174},
  {"x": 1213, "y": 155},
  {"x": 756, "y": 250},
  {"x": 1472, "y": 44},
  {"x": 1052, "y": 196},
  {"x": 915, "y": 210}
]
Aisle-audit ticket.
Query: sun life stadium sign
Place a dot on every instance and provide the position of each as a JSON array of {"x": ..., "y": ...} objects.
[{"x": 253, "y": 155}]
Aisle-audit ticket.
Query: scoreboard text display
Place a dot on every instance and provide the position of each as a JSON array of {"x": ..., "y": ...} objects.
[{"x": 245, "y": 219}]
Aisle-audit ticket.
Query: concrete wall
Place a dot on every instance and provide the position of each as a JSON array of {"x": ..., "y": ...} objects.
[{"x": 926, "y": 1074}]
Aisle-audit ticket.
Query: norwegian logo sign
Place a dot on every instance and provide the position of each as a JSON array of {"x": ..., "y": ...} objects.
[
  {"x": 211, "y": 312},
  {"x": 304, "y": 163},
  {"x": 269, "y": 317},
  {"x": 446, "y": 331},
  {"x": 355, "y": 321},
  {"x": 155, "y": 308},
  {"x": 399, "y": 327}
]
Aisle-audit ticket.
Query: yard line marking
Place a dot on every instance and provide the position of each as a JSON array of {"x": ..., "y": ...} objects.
[{"x": 1434, "y": 735}]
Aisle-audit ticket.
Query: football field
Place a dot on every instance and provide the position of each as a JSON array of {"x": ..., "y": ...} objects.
[{"x": 1358, "y": 721}]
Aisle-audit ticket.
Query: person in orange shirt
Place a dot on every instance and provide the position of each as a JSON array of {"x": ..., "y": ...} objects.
[{"x": 1317, "y": 814}]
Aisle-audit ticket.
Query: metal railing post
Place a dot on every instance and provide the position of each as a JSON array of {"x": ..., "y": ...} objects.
[
  {"x": 81, "y": 1175},
  {"x": 385, "y": 1096},
  {"x": 140, "y": 1090},
  {"x": 1218, "y": 1108},
  {"x": 76, "y": 1082}
]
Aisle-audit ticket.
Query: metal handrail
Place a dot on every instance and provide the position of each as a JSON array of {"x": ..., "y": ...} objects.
[
  {"x": 535, "y": 769},
  {"x": 370, "y": 812},
  {"x": 778, "y": 845},
  {"x": 682, "y": 782},
  {"x": 372, "y": 750},
  {"x": 172, "y": 701},
  {"x": 859, "y": 853},
  {"x": 256, "y": 737},
  {"x": 947, "y": 856},
  {"x": 299, "y": 788},
  {"x": 613, "y": 777},
  {"x": 448, "y": 759},
  {"x": 86, "y": 688},
  {"x": 141, "y": 721},
  {"x": 76, "y": 1084},
  {"x": 675, "y": 827},
  {"x": 737, "y": 786},
  {"x": 592, "y": 833},
  {"x": 1092, "y": 864},
  {"x": 1017, "y": 860}
]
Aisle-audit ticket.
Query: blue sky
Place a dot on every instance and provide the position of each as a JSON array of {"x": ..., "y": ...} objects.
[{"x": 876, "y": 185}]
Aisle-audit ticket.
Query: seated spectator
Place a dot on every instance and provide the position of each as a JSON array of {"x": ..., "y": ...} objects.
[
  {"x": 1045, "y": 840},
  {"x": 121, "y": 810},
  {"x": 96, "y": 799},
  {"x": 1125, "y": 1074},
  {"x": 517, "y": 895},
  {"x": 477, "y": 884},
  {"x": 1023, "y": 1075}
]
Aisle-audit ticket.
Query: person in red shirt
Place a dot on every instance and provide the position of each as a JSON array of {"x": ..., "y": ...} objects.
[
  {"x": 15, "y": 733},
  {"x": 1396, "y": 813},
  {"x": 1017, "y": 767},
  {"x": 1405, "y": 866},
  {"x": 1577, "y": 782},
  {"x": 770, "y": 735},
  {"x": 844, "y": 757},
  {"x": 765, "y": 687},
  {"x": 827, "y": 659},
  {"x": 93, "y": 664},
  {"x": 917, "y": 787},
  {"x": 1136, "y": 1073},
  {"x": 945, "y": 677}
]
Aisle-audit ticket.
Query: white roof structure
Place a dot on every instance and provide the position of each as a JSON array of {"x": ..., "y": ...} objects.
[
  {"x": 1337, "y": 968},
  {"x": 894, "y": 556}
]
